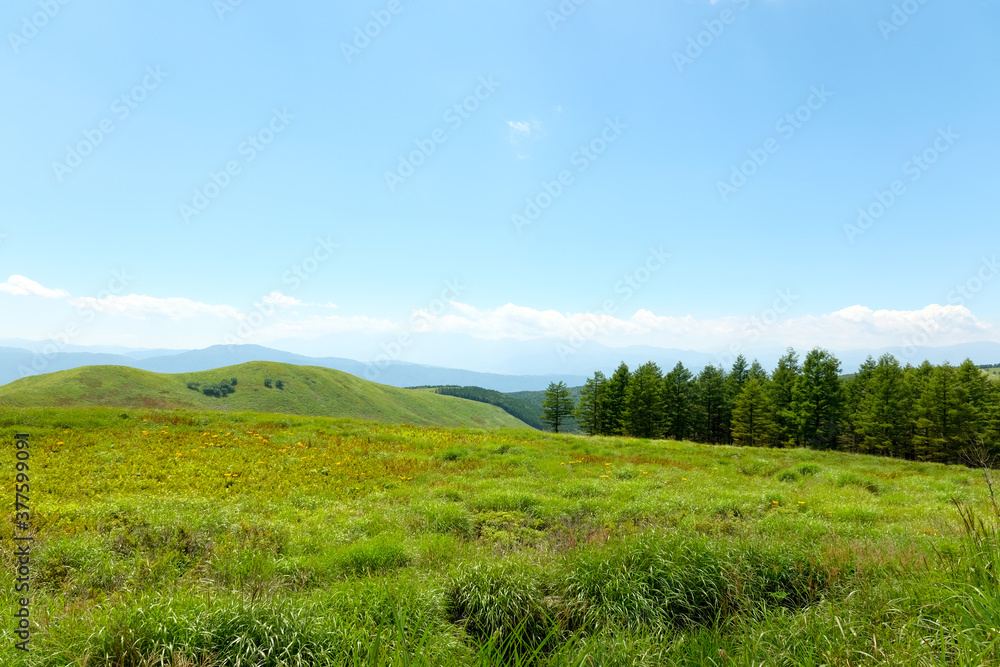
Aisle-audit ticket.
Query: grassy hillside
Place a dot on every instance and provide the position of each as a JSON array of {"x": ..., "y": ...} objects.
[
  {"x": 186, "y": 538},
  {"x": 307, "y": 390}
]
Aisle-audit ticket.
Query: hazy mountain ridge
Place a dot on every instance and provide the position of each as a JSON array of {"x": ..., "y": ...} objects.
[{"x": 505, "y": 366}]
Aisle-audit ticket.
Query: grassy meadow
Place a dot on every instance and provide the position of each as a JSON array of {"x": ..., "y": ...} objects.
[{"x": 204, "y": 538}]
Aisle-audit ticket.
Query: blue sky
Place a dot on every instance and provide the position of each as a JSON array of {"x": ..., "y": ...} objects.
[{"x": 640, "y": 109}]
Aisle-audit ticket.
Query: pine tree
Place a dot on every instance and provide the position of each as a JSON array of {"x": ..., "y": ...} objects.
[
  {"x": 739, "y": 374},
  {"x": 978, "y": 389},
  {"x": 818, "y": 400},
  {"x": 917, "y": 379},
  {"x": 753, "y": 416},
  {"x": 615, "y": 398},
  {"x": 590, "y": 411},
  {"x": 737, "y": 377},
  {"x": 678, "y": 402},
  {"x": 557, "y": 405},
  {"x": 882, "y": 416},
  {"x": 855, "y": 391},
  {"x": 941, "y": 410},
  {"x": 644, "y": 415},
  {"x": 782, "y": 388},
  {"x": 710, "y": 406},
  {"x": 757, "y": 371}
]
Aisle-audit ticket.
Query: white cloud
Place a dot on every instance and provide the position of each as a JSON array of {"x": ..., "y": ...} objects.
[
  {"x": 181, "y": 322},
  {"x": 519, "y": 128},
  {"x": 21, "y": 286},
  {"x": 141, "y": 307},
  {"x": 522, "y": 129},
  {"x": 281, "y": 300},
  {"x": 853, "y": 327}
]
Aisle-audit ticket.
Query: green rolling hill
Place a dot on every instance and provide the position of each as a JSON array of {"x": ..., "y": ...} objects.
[{"x": 305, "y": 390}]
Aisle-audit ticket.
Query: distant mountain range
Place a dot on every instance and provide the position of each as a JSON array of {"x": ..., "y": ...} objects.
[
  {"x": 15, "y": 361},
  {"x": 502, "y": 365}
]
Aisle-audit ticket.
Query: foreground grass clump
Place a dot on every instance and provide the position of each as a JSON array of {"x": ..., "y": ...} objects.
[{"x": 195, "y": 538}]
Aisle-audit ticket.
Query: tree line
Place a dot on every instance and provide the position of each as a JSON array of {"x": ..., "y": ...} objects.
[
  {"x": 940, "y": 413},
  {"x": 509, "y": 404}
]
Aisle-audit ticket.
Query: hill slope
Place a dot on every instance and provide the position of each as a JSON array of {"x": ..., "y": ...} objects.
[{"x": 307, "y": 390}]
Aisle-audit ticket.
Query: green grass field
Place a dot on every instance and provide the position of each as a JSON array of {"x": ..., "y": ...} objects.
[
  {"x": 202, "y": 538},
  {"x": 308, "y": 390}
]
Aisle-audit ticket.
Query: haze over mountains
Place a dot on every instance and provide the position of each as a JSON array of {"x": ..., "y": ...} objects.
[
  {"x": 15, "y": 360},
  {"x": 503, "y": 365}
]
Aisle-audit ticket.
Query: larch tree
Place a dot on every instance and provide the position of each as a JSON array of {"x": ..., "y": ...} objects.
[
  {"x": 615, "y": 398},
  {"x": 881, "y": 418},
  {"x": 753, "y": 416},
  {"x": 590, "y": 411},
  {"x": 711, "y": 420},
  {"x": 644, "y": 415},
  {"x": 678, "y": 402},
  {"x": 782, "y": 394},
  {"x": 557, "y": 405},
  {"x": 818, "y": 400}
]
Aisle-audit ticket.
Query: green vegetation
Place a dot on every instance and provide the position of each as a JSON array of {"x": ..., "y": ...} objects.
[
  {"x": 305, "y": 390},
  {"x": 943, "y": 413},
  {"x": 526, "y": 412},
  {"x": 534, "y": 400},
  {"x": 219, "y": 389},
  {"x": 557, "y": 407},
  {"x": 210, "y": 538}
]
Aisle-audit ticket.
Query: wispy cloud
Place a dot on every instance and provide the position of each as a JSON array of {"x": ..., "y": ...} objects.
[
  {"x": 522, "y": 129},
  {"x": 21, "y": 286},
  {"x": 281, "y": 300},
  {"x": 853, "y": 327}
]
